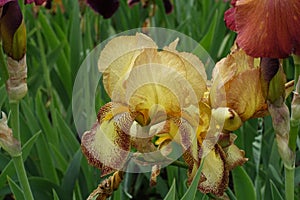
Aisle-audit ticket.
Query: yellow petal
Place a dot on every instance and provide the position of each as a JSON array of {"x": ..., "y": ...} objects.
[
  {"x": 237, "y": 85},
  {"x": 215, "y": 172},
  {"x": 107, "y": 144},
  {"x": 164, "y": 81},
  {"x": 234, "y": 156},
  {"x": 117, "y": 57}
]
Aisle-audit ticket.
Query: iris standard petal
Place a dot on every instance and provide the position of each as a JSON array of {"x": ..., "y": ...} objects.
[
  {"x": 268, "y": 28},
  {"x": 116, "y": 60},
  {"x": 237, "y": 85}
]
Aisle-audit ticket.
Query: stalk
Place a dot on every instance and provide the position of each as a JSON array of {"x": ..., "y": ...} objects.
[
  {"x": 19, "y": 165},
  {"x": 18, "y": 159},
  {"x": 294, "y": 126},
  {"x": 15, "y": 123}
]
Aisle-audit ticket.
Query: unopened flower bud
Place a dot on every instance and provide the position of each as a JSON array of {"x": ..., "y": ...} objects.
[
  {"x": 13, "y": 31},
  {"x": 295, "y": 116},
  {"x": 281, "y": 124},
  {"x": 7, "y": 141},
  {"x": 16, "y": 85}
]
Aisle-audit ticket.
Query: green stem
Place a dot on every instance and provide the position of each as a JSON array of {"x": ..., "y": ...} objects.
[
  {"x": 294, "y": 125},
  {"x": 289, "y": 183},
  {"x": 15, "y": 123},
  {"x": 18, "y": 160},
  {"x": 180, "y": 164},
  {"x": 19, "y": 165}
]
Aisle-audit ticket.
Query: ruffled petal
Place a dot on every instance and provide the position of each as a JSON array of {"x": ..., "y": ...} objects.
[
  {"x": 116, "y": 61},
  {"x": 234, "y": 156},
  {"x": 237, "y": 85},
  {"x": 164, "y": 81},
  {"x": 229, "y": 18},
  {"x": 215, "y": 172},
  {"x": 268, "y": 28},
  {"x": 107, "y": 144}
]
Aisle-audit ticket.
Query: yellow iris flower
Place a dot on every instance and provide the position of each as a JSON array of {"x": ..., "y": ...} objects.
[{"x": 160, "y": 97}]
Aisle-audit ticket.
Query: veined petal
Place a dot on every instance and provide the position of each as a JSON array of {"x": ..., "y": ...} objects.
[
  {"x": 215, "y": 172},
  {"x": 229, "y": 17},
  {"x": 164, "y": 81},
  {"x": 116, "y": 60},
  {"x": 237, "y": 85},
  {"x": 268, "y": 28},
  {"x": 107, "y": 144}
]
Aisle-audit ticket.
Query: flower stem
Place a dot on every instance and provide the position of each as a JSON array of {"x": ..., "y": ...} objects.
[
  {"x": 18, "y": 160},
  {"x": 180, "y": 164},
  {"x": 294, "y": 125},
  {"x": 19, "y": 165},
  {"x": 289, "y": 182},
  {"x": 15, "y": 123}
]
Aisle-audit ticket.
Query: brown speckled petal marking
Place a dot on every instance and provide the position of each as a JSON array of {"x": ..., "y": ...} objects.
[
  {"x": 234, "y": 156},
  {"x": 107, "y": 144},
  {"x": 215, "y": 172}
]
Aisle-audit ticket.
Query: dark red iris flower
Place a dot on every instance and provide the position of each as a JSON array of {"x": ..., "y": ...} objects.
[
  {"x": 106, "y": 8},
  {"x": 266, "y": 28},
  {"x": 37, "y": 2},
  {"x": 167, "y": 4}
]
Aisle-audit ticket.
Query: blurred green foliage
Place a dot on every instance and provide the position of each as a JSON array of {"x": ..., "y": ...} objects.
[{"x": 57, "y": 45}]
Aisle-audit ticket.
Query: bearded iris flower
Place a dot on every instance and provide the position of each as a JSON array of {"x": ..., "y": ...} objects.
[
  {"x": 146, "y": 88},
  {"x": 160, "y": 98},
  {"x": 266, "y": 28}
]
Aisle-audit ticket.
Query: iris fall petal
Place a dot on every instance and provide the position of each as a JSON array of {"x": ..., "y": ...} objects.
[{"x": 107, "y": 144}]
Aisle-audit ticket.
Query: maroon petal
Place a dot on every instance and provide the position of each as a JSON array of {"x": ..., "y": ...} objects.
[
  {"x": 3, "y": 2},
  {"x": 132, "y": 2},
  {"x": 229, "y": 18},
  {"x": 168, "y": 6},
  {"x": 37, "y": 2},
  {"x": 268, "y": 28},
  {"x": 106, "y": 8}
]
